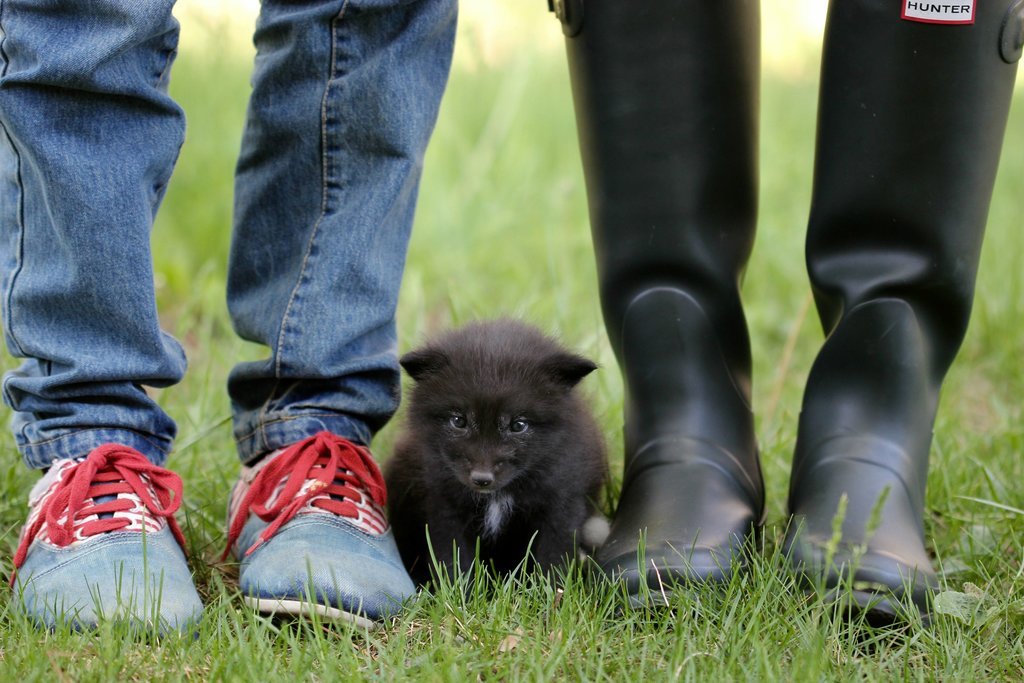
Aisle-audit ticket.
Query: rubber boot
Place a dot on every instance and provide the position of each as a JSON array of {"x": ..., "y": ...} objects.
[
  {"x": 666, "y": 98},
  {"x": 910, "y": 126}
]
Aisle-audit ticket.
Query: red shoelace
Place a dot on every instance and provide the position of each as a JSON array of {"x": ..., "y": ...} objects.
[
  {"x": 69, "y": 510},
  {"x": 339, "y": 474}
]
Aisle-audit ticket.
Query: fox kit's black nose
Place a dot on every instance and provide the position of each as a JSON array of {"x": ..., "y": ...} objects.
[{"x": 481, "y": 480}]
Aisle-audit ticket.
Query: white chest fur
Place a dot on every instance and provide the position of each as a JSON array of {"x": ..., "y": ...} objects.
[{"x": 496, "y": 514}]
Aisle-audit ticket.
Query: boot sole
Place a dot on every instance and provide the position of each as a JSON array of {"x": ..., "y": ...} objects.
[{"x": 878, "y": 607}]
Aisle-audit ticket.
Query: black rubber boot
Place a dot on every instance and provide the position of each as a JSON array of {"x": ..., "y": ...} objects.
[
  {"x": 666, "y": 99},
  {"x": 911, "y": 122}
]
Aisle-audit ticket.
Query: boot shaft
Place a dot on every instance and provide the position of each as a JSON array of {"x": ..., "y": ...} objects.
[
  {"x": 666, "y": 102},
  {"x": 910, "y": 127}
]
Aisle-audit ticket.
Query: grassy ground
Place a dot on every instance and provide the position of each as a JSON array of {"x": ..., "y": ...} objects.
[{"x": 501, "y": 229}]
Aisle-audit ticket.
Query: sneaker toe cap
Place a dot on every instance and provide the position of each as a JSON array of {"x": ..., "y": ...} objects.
[
  {"x": 121, "y": 576},
  {"x": 328, "y": 559}
]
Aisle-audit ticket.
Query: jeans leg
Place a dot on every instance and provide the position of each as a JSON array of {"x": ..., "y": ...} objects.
[
  {"x": 88, "y": 139},
  {"x": 345, "y": 96}
]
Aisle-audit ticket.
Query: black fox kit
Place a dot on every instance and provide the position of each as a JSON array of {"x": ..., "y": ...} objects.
[{"x": 497, "y": 448}]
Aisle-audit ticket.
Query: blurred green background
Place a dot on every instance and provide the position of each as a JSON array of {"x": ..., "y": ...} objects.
[{"x": 501, "y": 229}]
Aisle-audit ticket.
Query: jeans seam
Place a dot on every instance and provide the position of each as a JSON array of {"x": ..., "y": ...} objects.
[
  {"x": 164, "y": 77},
  {"x": 3, "y": 52},
  {"x": 34, "y": 446},
  {"x": 280, "y": 420},
  {"x": 316, "y": 227},
  {"x": 75, "y": 432},
  {"x": 16, "y": 346}
]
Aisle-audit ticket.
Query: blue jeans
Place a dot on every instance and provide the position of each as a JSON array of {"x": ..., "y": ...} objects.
[{"x": 345, "y": 96}]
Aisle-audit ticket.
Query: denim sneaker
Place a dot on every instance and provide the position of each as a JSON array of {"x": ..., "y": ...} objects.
[
  {"x": 101, "y": 543},
  {"x": 308, "y": 526}
]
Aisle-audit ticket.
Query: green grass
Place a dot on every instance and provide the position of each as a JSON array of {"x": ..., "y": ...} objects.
[{"x": 501, "y": 230}]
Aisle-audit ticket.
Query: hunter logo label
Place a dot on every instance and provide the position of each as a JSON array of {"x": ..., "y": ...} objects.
[{"x": 961, "y": 12}]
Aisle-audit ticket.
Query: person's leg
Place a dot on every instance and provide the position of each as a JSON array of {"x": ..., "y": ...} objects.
[
  {"x": 666, "y": 99},
  {"x": 910, "y": 126},
  {"x": 88, "y": 140},
  {"x": 345, "y": 96}
]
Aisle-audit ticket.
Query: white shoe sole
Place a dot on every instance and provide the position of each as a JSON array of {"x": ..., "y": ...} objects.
[{"x": 301, "y": 608}]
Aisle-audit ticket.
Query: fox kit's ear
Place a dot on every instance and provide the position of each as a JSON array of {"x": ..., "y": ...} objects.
[
  {"x": 568, "y": 369},
  {"x": 424, "y": 362}
]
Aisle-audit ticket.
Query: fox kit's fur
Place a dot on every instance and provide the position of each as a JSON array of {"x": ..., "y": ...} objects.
[{"x": 498, "y": 449}]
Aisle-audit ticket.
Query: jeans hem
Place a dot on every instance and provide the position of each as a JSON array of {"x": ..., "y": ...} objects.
[
  {"x": 255, "y": 439},
  {"x": 81, "y": 442}
]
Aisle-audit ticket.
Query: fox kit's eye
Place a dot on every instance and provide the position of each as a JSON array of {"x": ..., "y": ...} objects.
[
  {"x": 518, "y": 426},
  {"x": 458, "y": 421}
]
